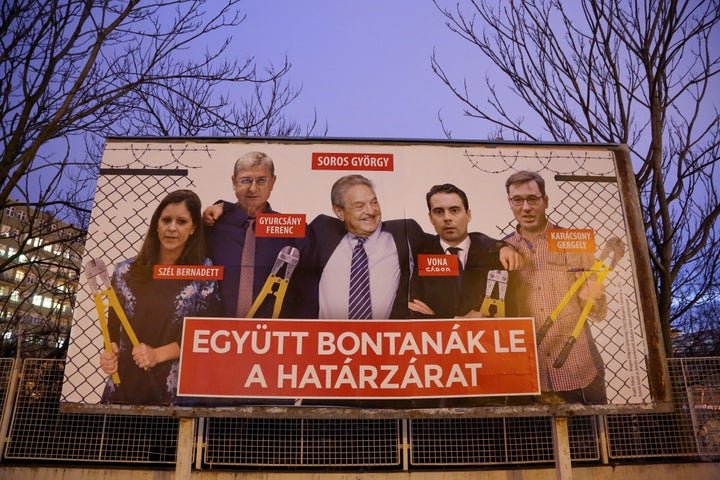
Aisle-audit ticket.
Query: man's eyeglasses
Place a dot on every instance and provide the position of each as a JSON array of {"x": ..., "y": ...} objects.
[
  {"x": 247, "y": 181},
  {"x": 519, "y": 201}
]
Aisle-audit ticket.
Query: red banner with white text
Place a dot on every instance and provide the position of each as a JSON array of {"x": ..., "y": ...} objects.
[{"x": 345, "y": 359}]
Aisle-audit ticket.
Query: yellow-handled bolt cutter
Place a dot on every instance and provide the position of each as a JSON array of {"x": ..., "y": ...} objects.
[
  {"x": 613, "y": 250},
  {"x": 276, "y": 286},
  {"x": 499, "y": 277},
  {"x": 95, "y": 269}
]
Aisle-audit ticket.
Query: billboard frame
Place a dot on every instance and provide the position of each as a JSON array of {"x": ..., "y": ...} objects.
[{"x": 658, "y": 377}]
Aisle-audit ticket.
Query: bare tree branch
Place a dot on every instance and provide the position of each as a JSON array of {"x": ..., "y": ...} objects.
[
  {"x": 617, "y": 71},
  {"x": 73, "y": 72}
]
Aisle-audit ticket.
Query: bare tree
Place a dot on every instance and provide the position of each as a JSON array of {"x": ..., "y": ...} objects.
[
  {"x": 698, "y": 333},
  {"x": 124, "y": 68},
  {"x": 644, "y": 73},
  {"x": 73, "y": 72}
]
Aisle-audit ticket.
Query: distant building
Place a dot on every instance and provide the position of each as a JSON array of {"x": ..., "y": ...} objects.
[{"x": 39, "y": 265}]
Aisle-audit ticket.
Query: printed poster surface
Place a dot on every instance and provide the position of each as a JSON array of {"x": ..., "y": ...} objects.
[{"x": 426, "y": 274}]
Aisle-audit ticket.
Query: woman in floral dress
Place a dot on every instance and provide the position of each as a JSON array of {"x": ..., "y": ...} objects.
[{"x": 155, "y": 308}]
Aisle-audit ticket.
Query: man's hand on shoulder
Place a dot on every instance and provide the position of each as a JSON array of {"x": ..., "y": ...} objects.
[
  {"x": 212, "y": 213},
  {"x": 510, "y": 258}
]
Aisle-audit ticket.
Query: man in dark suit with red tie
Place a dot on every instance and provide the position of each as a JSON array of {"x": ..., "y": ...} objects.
[
  {"x": 451, "y": 296},
  {"x": 247, "y": 260}
]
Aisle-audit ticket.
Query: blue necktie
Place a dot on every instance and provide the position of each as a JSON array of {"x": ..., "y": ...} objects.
[{"x": 360, "y": 306}]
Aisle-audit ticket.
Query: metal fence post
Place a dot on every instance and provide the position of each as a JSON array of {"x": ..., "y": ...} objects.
[
  {"x": 199, "y": 443},
  {"x": 9, "y": 403},
  {"x": 405, "y": 444},
  {"x": 603, "y": 439}
]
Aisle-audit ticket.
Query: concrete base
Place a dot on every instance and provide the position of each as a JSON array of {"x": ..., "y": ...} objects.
[{"x": 673, "y": 471}]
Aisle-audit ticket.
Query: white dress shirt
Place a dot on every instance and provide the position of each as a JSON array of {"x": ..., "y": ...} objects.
[
  {"x": 384, "y": 276},
  {"x": 464, "y": 247}
]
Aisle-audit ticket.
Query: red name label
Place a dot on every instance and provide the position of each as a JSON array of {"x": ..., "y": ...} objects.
[
  {"x": 187, "y": 272},
  {"x": 438, "y": 265},
  {"x": 286, "y": 225},
  {"x": 336, "y": 359},
  {"x": 578, "y": 240},
  {"x": 353, "y": 161}
]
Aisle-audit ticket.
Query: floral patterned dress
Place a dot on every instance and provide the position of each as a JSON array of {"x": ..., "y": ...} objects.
[{"x": 155, "y": 310}]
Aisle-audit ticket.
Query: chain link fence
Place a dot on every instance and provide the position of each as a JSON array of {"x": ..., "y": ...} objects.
[
  {"x": 590, "y": 199},
  {"x": 39, "y": 431},
  {"x": 692, "y": 429},
  {"x": 117, "y": 227}
]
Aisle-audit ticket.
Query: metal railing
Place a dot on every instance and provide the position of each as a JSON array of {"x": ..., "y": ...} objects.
[{"x": 38, "y": 430}]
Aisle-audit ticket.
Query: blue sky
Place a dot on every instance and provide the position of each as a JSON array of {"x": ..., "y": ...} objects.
[{"x": 365, "y": 65}]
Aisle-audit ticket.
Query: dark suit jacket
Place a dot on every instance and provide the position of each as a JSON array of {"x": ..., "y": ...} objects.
[
  {"x": 324, "y": 235},
  {"x": 443, "y": 294},
  {"x": 225, "y": 242}
]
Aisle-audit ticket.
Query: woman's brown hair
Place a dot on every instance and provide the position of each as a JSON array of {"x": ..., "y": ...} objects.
[{"x": 194, "y": 250}]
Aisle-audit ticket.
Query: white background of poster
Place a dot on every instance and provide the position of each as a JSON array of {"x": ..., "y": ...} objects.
[{"x": 479, "y": 170}]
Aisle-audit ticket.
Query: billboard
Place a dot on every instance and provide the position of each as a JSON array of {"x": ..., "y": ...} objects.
[{"x": 233, "y": 273}]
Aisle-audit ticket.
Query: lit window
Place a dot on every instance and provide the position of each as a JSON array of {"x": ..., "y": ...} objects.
[
  {"x": 37, "y": 300},
  {"x": 15, "y": 296},
  {"x": 47, "y": 302}
]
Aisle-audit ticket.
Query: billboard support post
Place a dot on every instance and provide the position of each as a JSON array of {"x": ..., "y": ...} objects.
[
  {"x": 561, "y": 448},
  {"x": 183, "y": 465}
]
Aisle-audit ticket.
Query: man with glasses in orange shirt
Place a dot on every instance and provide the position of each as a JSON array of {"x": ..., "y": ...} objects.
[{"x": 542, "y": 283}]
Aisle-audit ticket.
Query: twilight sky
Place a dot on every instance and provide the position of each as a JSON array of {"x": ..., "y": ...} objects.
[{"x": 365, "y": 65}]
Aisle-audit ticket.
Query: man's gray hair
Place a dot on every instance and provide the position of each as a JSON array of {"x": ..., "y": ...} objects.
[
  {"x": 337, "y": 193},
  {"x": 254, "y": 159}
]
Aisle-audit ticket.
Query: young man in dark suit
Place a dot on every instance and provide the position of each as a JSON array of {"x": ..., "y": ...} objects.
[{"x": 451, "y": 296}]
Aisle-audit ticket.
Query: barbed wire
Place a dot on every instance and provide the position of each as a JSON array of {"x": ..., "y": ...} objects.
[
  {"x": 176, "y": 153},
  {"x": 506, "y": 161}
]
